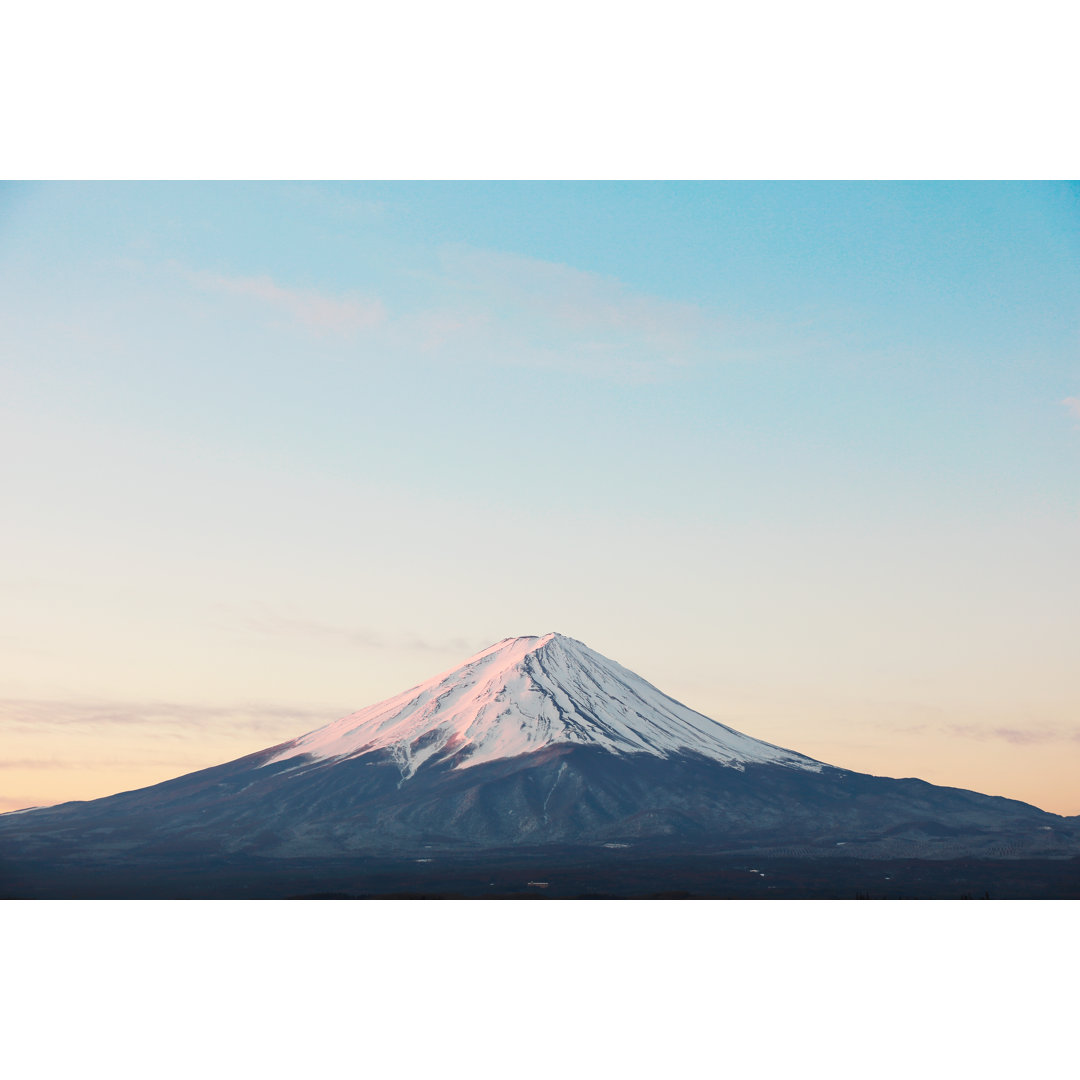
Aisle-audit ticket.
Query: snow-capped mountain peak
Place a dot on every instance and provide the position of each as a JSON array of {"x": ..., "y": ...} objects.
[{"x": 524, "y": 694}]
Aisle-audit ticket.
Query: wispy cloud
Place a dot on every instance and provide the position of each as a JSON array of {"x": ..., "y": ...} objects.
[
  {"x": 1016, "y": 736},
  {"x": 286, "y": 626},
  {"x": 98, "y": 763},
  {"x": 500, "y": 308},
  {"x": 322, "y": 312},
  {"x": 548, "y": 314},
  {"x": 575, "y": 299},
  {"x": 173, "y": 718}
]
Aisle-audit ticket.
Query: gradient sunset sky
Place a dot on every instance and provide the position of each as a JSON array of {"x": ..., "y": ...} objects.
[{"x": 805, "y": 456}]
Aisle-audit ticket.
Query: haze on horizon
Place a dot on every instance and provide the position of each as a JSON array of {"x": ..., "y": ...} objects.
[{"x": 804, "y": 456}]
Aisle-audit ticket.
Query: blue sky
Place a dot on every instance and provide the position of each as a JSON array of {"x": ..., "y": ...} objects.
[{"x": 804, "y": 455}]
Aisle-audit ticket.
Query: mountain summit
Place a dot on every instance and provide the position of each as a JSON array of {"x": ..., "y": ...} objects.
[{"x": 524, "y": 694}]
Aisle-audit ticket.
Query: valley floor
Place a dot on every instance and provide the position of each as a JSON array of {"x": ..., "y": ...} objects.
[{"x": 571, "y": 873}]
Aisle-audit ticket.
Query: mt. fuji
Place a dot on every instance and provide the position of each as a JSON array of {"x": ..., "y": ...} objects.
[{"x": 536, "y": 744}]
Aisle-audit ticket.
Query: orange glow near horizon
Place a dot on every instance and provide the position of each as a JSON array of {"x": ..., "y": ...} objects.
[{"x": 100, "y": 757}]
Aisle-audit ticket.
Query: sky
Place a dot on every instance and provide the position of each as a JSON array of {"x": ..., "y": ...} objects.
[{"x": 803, "y": 455}]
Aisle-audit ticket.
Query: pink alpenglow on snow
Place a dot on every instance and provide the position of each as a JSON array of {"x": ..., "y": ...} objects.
[{"x": 524, "y": 694}]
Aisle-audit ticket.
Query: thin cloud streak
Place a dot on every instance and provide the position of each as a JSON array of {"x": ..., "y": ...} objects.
[
  {"x": 34, "y": 715},
  {"x": 576, "y": 299},
  {"x": 493, "y": 308},
  {"x": 285, "y": 626},
  {"x": 499, "y": 308},
  {"x": 534, "y": 313},
  {"x": 99, "y": 763},
  {"x": 1013, "y": 735},
  {"x": 345, "y": 315}
]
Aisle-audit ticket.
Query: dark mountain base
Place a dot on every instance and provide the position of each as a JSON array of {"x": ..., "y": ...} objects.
[
  {"x": 573, "y": 822},
  {"x": 557, "y": 873}
]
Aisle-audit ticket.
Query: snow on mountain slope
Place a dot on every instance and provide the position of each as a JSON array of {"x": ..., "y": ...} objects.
[{"x": 523, "y": 694}]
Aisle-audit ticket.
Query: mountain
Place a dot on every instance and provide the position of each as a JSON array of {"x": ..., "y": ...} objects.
[{"x": 535, "y": 744}]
